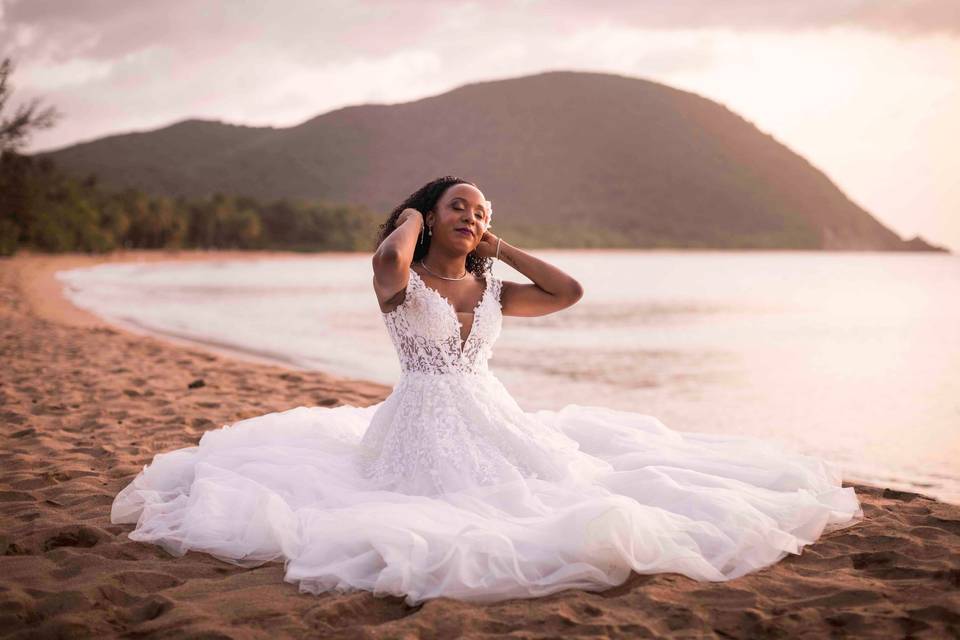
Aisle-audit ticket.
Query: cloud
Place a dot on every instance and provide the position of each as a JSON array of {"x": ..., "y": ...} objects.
[
  {"x": 106, "y": 29},
  {"x": 58, "y": 31},
  {"x": 899, "y": 17}
]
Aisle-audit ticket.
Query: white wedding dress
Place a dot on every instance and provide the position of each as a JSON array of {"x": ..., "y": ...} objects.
[{"x": 449, "y": 488}]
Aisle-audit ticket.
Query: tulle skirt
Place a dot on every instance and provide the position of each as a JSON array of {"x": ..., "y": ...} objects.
[{"x": 287, "y": 486}]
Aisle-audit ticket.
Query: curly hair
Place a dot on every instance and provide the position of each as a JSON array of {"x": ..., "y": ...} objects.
[{"x": 423, "y": 200}]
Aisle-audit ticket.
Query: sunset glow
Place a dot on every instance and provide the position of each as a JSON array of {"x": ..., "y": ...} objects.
[{"x": 866, "y": 92}]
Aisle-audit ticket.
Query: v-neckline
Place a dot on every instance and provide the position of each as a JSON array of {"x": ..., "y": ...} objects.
[{"x": 453, "y": 310}]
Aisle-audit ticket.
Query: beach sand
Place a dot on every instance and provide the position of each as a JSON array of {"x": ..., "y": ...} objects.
[{"x": 85, "y": 405}]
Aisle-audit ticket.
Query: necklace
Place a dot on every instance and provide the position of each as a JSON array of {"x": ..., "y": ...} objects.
[{"x": 420, "y": 262}]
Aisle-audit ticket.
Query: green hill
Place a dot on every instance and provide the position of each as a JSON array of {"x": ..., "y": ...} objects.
[{"x": 568, "y": 159}]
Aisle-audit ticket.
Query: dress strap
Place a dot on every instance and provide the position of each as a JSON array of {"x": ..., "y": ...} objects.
[
  {"x": 414, "y": 276},
  {"x": 495, "y": 286}
]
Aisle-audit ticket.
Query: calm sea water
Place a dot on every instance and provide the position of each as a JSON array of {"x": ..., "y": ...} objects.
[{"x": 854, "y": 357}]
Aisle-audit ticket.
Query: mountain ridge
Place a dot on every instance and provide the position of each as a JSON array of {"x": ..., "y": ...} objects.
[{"x": 609, "y": 160}]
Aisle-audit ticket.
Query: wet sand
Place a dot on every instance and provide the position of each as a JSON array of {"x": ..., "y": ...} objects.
[{"x": 84, "y": 405}]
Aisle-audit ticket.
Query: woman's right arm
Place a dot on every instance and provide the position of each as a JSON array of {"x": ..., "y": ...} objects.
[{"x": 391, "y": 260}]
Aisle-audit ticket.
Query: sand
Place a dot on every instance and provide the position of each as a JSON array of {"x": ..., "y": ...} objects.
[{"x": 85, "y": 405}]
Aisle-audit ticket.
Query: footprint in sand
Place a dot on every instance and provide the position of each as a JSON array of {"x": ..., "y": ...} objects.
[
  {"x": 16, "y": 496},
  {"x": 12, "y": 417},
  {"x": 342, "y": 611},
  {"x": 146, "y": 581},
  {"x": 76, "y": 536},
  {"x": 148, "y": 609}
]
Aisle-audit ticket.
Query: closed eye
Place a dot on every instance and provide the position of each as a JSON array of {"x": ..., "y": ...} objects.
[{"x": 481, "y": 212}]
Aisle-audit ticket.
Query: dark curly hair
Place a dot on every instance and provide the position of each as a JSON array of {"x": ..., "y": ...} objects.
[{"x": 423, "y": 200}]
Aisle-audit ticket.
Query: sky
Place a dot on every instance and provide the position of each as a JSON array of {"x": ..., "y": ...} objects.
[{"x": 868, "y": 91}]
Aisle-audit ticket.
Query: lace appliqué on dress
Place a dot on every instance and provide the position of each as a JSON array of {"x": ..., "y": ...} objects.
[
  {"x": 425, "y": 330},
  {"x": 449, "y": 423}
]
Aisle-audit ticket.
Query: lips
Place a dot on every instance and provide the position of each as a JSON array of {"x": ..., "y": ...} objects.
[{"x": 466, "y": 232}]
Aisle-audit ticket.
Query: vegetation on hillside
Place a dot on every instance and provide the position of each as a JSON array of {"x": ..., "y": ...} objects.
[{"x": 44, "y": 208}]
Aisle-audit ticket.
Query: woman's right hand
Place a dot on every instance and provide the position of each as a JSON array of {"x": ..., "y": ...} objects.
[{"x": 407, "y": 213}]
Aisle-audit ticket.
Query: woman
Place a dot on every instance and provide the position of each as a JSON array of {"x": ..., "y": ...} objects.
[{"x": 448, "y": 487}]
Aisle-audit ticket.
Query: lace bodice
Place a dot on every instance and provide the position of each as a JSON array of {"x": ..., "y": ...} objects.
[
  {"x": 425, "y": 330},
  {"x": 450, "y": 423}
]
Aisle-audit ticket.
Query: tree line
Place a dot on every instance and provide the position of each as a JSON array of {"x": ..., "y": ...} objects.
[{"x": 44, "y": 208}]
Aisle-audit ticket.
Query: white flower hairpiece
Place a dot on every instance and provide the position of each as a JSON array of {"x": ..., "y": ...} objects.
[{"x": 489, "y": 207}]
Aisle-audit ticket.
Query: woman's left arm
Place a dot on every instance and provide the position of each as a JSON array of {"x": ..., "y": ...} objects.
[{"x": 552, "y": 289}]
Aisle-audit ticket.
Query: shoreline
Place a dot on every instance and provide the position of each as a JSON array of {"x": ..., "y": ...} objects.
[
  {"x": 85, "y": 404},
  {"x": 48, "y": 298}
]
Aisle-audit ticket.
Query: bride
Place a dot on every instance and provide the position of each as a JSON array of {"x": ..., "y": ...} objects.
[{"x": 448, "y": 487}]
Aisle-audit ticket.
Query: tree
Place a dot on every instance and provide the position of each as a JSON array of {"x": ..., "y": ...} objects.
[{"x": 15, "y": 130}]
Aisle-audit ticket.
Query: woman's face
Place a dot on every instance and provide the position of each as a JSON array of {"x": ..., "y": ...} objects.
[{"x": 460, "y": 217}]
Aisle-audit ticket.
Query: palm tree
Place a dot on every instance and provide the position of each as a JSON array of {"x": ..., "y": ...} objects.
[{"x": 15, "y": 130}]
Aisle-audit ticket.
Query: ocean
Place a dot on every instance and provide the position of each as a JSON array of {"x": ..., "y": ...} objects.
[{"x": 850, "y": 356}]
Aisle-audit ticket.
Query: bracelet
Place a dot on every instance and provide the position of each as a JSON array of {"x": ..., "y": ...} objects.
[{"x": 498, "y": 248}]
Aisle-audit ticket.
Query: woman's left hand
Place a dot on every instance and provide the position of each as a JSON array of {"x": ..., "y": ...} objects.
[{"x": 487, "y": 247}]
